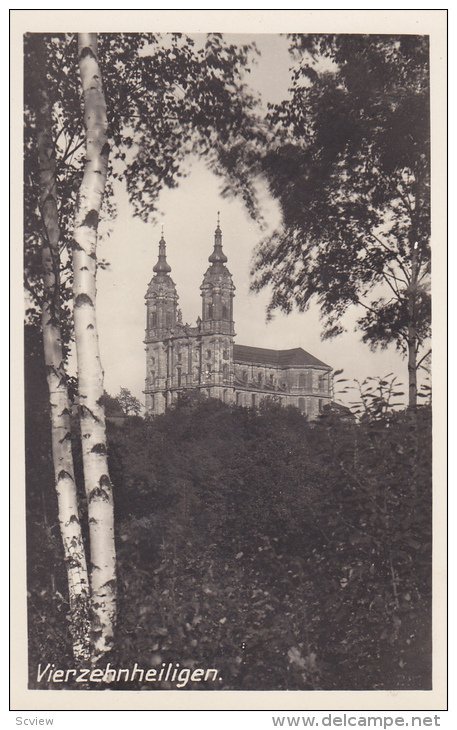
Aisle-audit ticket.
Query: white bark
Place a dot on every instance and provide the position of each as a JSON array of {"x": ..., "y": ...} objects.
[
  {"x": 68, "y": 515},
  {"x": 90, "y": 374}
]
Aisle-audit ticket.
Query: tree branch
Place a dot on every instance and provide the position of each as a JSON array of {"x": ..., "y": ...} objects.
[{"x": 423, "y": 358}]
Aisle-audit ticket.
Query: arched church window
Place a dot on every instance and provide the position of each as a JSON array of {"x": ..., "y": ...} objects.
[
  {"x": 224, "y": 311},
  {"x": 210, "y": 311}
]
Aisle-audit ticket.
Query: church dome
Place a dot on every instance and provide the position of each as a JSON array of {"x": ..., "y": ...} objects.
[
  {"x": 217, "y": 274},
  {"x": 162, "y": 266},
  {"x": 161, "y": 283}
]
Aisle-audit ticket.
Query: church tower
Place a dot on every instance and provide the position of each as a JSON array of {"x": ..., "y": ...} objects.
[
  {"x": 217, "y": 327},
  {"x": 161, "y": 318},
  {"x": 218, "y": 291}
]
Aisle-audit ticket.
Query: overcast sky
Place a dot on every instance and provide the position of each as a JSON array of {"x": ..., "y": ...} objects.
[{"x": 189, "y": 217}]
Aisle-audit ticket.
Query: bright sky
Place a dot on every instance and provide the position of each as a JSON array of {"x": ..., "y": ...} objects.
[{"x": 189, "y": 217}]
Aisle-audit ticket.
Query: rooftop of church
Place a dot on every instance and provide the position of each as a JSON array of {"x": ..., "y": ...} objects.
[{"x": 296, "y": 357}]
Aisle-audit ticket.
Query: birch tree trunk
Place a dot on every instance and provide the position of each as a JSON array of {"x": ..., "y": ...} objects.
[
  {"x": 68, "y": 515},
  {"x": 90, "y": 374}
]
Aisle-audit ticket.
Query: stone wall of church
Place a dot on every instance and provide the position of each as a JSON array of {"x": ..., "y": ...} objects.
[
  {"x": 205, "y": 361},
  {"x": 308, "y": 389},
  {"x": 217, "y": 360},
  {"x": 197, "y": 361}
]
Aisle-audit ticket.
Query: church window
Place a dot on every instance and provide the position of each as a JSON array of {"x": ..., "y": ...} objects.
[
  {"x": 169, "y": 319},
  {"x": 225, "y": 372},
  {"x": 302, "y": 405},
  {"x": 321, "y": 404},
  {"x": 210, "y": 311},
  {"x": 224, "y": 312},
  {"x": 272, "y": 378},
  {"x": 305, "y": 380},
  {"x": 253, "y": 400},
  {"x": 179, "y": 377},
  {"x": 245, "y": 376},
  {"x": 237, "y": 399},
  {"x": 226, "y": 354},
  {"x": 259, "y": 378},
  {"x": 153, "y": 319},
  {"x": 208, "y": 354},
  {"x": 179, "y": 357}
]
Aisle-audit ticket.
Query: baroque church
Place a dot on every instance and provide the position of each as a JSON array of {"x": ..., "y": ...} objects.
[{"x": 181, "y": 357}]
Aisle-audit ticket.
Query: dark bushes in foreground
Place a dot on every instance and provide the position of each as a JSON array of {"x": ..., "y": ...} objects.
[{"x": 285, "y": 554}]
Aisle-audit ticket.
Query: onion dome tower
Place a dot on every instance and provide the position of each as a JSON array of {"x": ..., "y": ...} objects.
[
  {"x": 217, "y": 291},
  {"x": 161, "y": 298}
]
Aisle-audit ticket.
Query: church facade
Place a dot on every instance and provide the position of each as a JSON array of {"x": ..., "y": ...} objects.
[{"x": 181, "y": 357}]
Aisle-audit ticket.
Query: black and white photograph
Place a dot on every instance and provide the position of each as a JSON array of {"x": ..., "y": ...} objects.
[{"x": 227, "y": 241}]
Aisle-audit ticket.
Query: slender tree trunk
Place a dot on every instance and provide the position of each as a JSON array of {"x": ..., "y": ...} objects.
[
  {"x": 421, "y": 203},
  {"x": 412, "y": 369},
  {"x": 412, "y": 320},
  {"x": 70, "y": 528},
  {"x": 90, "y": 374}
]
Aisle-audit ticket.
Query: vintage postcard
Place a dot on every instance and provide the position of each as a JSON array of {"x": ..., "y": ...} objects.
[{"x": 229, "y": 399}]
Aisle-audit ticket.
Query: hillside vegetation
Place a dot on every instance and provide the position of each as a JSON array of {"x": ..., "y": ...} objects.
[{"x": 287, "y": 555}]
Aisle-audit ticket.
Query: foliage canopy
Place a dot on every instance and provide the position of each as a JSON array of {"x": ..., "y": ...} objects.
[{"x": 348, "y": 161}]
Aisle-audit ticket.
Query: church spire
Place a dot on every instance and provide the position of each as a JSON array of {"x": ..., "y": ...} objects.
[
  {"x": 217, "y": 291},
  {"x": 218, "y": 256},
  {"x": 161, "y": 298},
  {"x": 162, "y": 266}
]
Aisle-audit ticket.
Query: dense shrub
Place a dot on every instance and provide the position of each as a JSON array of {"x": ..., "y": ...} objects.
[{"x": 288, "y": 555}]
